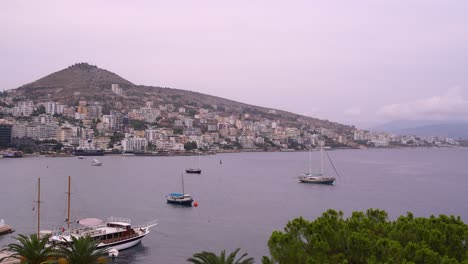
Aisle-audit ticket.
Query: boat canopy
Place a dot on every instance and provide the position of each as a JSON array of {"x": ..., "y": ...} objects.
[
  {"x": 175, "y": 194},
  {"x": 90, "y": 222}
]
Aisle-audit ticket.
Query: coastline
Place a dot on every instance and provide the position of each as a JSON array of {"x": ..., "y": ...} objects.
[{"x": 176, "y": 154}]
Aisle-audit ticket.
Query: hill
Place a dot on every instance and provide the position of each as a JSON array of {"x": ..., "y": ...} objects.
[{"x": 83, "y": 81}]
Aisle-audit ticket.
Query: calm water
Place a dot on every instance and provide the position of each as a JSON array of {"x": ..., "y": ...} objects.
[{"x": 241, "y": 201}]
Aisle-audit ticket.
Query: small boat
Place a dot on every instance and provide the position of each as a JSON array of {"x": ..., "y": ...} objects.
[
  {"x": 194, "y": 170},
  {"x": 4, "y": 228},
  {"x": 96, "y": 162},
  {"x": 180, "y": 198},
  {"x": 317, "y": 178},
  {"x": 80, "y": 157}
]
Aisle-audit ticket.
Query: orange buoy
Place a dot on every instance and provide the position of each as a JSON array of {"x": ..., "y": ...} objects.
[{"x": 195, "y": 204}]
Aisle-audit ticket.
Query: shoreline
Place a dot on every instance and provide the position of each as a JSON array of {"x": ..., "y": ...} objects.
[{"x": 178, "y": 154}]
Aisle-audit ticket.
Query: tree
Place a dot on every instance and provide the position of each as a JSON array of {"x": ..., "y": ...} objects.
[
  {"x": 369, "y": 237},
  {"x": 82, "y": 250},
  {"x": 211, "y": 258},
  {"x": 190, "y": 145},
  {"x": 31, "y": 249},
  {"x": 138, "y": 124}
]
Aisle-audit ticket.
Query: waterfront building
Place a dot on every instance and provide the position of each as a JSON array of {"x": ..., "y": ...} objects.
[
  {"x": 5, "y": 134},
  {"x": 131, "y": 143}
]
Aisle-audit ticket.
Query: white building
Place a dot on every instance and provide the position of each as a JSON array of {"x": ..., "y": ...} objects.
[
  {"x": 116, "y": 89},
  {"x": 131, "y": 143}
]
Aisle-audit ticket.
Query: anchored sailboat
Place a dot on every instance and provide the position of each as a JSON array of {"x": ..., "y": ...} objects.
[
  {"x": 317, "y": 178},
  {"x": 194, "y": 170},
  {"x": 180, "y": 198}
]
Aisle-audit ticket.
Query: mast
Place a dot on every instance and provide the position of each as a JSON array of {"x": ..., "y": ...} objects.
[
  {"x": 321, "y": 154},
  {"x": 38, "y": 206},
  {"x": 68, "y": 217},
  {"x": 183, "y": 191},
  {"x": 310, "y": 160}
]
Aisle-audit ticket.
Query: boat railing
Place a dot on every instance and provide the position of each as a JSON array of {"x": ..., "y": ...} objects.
[
  {"x": 148, "y": 224},
  {"x": 119, "y": 219}
]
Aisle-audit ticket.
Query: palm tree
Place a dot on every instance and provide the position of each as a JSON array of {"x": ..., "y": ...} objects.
[
  {"x": 81, "y": 250},
  {"x": 211, "y": 258},
  {"x": 31, "y": 249}
]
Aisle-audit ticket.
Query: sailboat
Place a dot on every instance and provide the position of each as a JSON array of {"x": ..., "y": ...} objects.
[
  {"x": 195, "y": 170},
  {"x": 317, "y": 178},
  {"x": 180, "y": 198},
  {"x": 116, "y": 233}
]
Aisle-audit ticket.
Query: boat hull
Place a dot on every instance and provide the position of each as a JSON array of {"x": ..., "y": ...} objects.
[
  {"x": 193, "y": 171},
  {"x": 185, "y": 202},
  {"x": 328, "y": 182},
  {"x": 124, "y": 244},
  {"x": 317, "y": 180}
]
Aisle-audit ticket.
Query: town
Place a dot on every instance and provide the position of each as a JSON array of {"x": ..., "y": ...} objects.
[{"x": 54, "y": 128}]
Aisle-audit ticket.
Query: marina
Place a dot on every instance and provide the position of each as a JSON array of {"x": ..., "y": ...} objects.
[{"x": 230, "y": 197}]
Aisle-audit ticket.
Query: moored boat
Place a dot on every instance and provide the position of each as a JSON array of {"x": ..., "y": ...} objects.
[
  {"x": 96, "y": 162},
  {"x": 317, "y": 178},
  {"x": 116, "y": 233},
  {"x": 180, "y": 198},
  {"x": 4, "y": 228}
]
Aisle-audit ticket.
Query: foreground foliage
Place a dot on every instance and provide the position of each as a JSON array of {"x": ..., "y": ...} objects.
[
  {"x": 81, "y": 251},
  {"x": 211, "y": 258},
  {"x": 31, "y": 249},
  {"x": 370, "y": 238}
]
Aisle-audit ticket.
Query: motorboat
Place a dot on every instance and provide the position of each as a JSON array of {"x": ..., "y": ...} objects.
[
  {"x": 96, "y": 162},
  {"x": 116, "y": 233}
]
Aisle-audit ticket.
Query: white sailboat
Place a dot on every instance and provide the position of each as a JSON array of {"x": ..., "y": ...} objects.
[{"x": 317, "y": 178}]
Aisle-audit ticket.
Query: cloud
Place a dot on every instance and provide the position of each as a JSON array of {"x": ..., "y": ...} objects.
[
  {"x": 353, "y": 111},
  {"x": 450, "y": 106}
]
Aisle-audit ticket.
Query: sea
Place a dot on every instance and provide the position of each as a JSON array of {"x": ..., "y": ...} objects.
[{"x": 242, "y": 197}]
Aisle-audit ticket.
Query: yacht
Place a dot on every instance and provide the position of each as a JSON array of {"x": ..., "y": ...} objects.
[
  {"x": 317, "y": 178},
  {"x": 116, "y": 233}
]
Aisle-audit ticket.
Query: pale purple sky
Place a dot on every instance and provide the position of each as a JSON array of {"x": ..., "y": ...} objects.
[{"x": 356, "y": 62}]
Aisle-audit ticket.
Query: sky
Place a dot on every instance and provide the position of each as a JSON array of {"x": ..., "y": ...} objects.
[{"x": 361, "y": 62}]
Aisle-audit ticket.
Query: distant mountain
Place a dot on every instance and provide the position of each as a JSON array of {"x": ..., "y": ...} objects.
[
  {"x": 88, "y": 82},
  {"x": 452, "y": 129}
]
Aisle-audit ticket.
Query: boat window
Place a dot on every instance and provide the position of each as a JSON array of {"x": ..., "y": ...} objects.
[{"x": 109, "y": 236}]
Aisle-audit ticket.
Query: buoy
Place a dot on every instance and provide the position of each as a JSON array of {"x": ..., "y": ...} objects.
[
  {"x": 195, "y": 204},
  {"x": 113, "y": 252}
]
